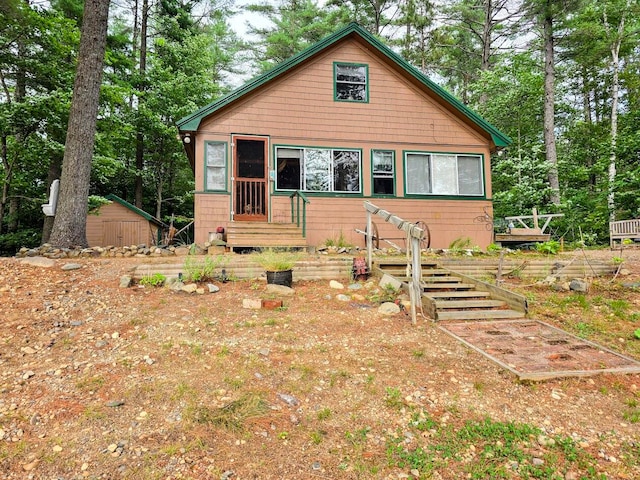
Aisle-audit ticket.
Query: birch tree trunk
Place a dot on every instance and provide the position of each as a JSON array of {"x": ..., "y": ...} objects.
[{"x": 549, "y": 106}]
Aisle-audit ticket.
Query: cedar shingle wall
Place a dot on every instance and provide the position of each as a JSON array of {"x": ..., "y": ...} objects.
[{"x": 299, "y": 109}]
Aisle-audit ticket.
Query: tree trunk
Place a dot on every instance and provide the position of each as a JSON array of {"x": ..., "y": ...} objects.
[
  {"x": 549, "y": 107},
  {"x": 140, "y": 135},
  {"x": 615, "y": 87},
  {"x": 70, "y": 223}
]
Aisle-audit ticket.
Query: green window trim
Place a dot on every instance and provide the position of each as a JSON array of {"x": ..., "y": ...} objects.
[
  {"x": 216, "y": 163},
  {"x": 444, "y": 175},
  {"x": 383, "y": 173},
  {"x": 351, "y": 82},
  {"x": 317, "y": 170}
]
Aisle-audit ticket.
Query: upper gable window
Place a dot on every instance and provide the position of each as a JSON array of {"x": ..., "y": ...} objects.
[{"x": 351, "y": 82}]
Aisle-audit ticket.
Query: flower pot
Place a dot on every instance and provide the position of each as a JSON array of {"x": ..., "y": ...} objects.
[{"x": 284, "y": 277}]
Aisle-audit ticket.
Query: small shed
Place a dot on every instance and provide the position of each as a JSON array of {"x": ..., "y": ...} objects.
[{"x": 120, "y": 223}]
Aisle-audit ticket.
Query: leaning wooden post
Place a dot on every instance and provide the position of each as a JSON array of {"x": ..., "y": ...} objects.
[{"x": 415, "y": 294}]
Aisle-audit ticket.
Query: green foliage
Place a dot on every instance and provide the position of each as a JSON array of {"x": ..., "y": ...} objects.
[
  {"x": 154, "y": 280},
  {"x": 340, "y": 242},
  {"x": 636, "y": 333},
  {"x": 552, "y": 247},
  {"x": 201, "y": 269},
  {"x": 386, "y": 293},
  {"x": 393, "y": 397},
  {"x": 276, "y": 260},
  {"x": 10, "y": 243}
]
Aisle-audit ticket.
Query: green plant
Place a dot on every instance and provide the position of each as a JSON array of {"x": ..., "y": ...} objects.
[
  {"x": 387, "y": 293},
  {"x": 276, "y": 260},
  {"x": 196, "y": 270},
  {"x": 154, "y": 280},
  {"x": 324, "y": 413},
  {"x": 637, "y": 334},
  {"x": 552, "y": 247},
  {"x": 393, "y": 397},
  {"x": 494, "y": 248},
  {"x": 460, "y": 244},
  {"x": 340, "y": 242}
]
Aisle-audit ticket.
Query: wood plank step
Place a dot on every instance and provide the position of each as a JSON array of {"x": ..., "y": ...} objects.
[
  {"x": 471, "y": 303},
  {"x": 425, "y": 271},
  {"x": 479, "y": 314},
  {"x": 458, "y": 294},
  {"x": 440, "y": 279},
  {"x": 446, "y": 286}
]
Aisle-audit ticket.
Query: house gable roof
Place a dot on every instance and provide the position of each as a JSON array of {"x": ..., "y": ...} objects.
[
  {"x": 133, "y": 208},
  {"x": 192, "y": 122}
]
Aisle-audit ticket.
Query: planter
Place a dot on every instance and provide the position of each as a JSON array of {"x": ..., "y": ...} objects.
[{"x": 284, "y": 277}]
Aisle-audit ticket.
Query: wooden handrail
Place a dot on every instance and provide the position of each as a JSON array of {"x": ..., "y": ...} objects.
[{"x": 295, "y": 210}]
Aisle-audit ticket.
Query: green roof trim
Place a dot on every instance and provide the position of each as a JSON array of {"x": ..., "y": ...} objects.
[
  {"x": 191, "y": 122},
  {"x": 133, "y": 208}
]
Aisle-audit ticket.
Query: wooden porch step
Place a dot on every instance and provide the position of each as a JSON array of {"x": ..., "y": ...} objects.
[
  {"x": 469, "y": 303},
  {"x": 440, "y": 279},
  {"x": 264, "y": 234},
  {"x": 479, "y": 314}
]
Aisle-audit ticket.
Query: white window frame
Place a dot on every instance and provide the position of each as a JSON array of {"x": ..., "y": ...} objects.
[{"x": 209, "y": 165}]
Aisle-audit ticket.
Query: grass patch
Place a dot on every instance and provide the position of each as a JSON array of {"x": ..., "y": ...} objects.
[{"x": 234, "y": 415}]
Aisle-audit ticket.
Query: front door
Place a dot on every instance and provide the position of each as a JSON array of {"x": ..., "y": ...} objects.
[{"x": 251, "y": 179}]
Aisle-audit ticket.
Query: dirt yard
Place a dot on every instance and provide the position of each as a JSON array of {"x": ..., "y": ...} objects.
[{"x": 103, "y": 382}]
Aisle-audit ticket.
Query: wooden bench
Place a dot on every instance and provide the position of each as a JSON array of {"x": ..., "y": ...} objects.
[{"x": 621, "y": 230}]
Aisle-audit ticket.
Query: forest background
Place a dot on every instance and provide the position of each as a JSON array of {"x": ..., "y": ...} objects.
[{"x": 560, "y": 77}]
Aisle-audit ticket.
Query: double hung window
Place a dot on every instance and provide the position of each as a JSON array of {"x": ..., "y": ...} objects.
[
  {"x": 216, "y": 166},
  {"x": 382, "y": 172}
]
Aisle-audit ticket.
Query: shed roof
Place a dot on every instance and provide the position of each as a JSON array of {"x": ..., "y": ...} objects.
[
  {"x": 133, "y": 208},
  {"x": 191, "y": 122}
]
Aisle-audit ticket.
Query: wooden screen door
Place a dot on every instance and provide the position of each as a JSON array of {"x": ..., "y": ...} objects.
[{"x": 251, "y": 182}]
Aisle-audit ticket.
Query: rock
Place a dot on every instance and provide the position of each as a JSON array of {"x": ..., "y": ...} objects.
[
  {"x": 343, "y": 298},
  {"x": 57, "y": 448},
  {"x": 571, "y": 475},
  {"x": 280, "y": 290},
  {"x": 213, "y": 288},
  {"x": 579, "y": 285},
  {"x": 114, "y": 403},
  {"x": 388, "y": 308},
  {"x": 28, "y": 374},
  {"x": 28, "y": 350},
  {"x": 252, "y": 303},
  {"x": 561, "y": 287},
  {"x": 38, "y": 262},
  {"x": 189, "y": 288},
  {"x": 387, "y": 281},
  {"x": 125, "y": 281},
  {"x": 288, "y": 399},
  {"x": 264, "y": 352},
  {"x": 336, "y": 285},
  {"x": 227, "y": 475},
  {"x": 71, "y": 266},
  {"x": 355, "y": 286},
  {"x": 537, "y": 462}
]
